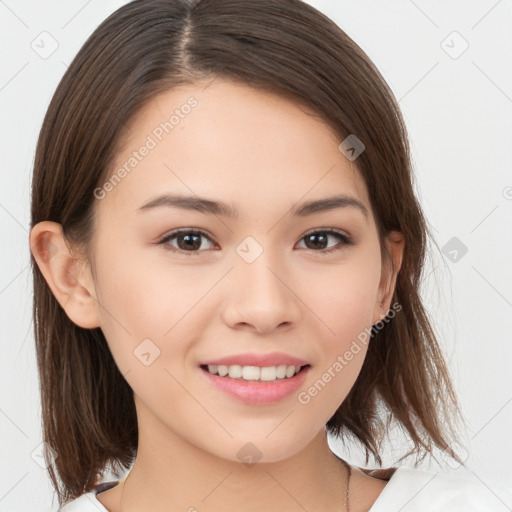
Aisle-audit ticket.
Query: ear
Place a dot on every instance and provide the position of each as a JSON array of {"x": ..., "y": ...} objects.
[
  {"x": 68, "y": 276},
  {"x": 391, "y": 263}
]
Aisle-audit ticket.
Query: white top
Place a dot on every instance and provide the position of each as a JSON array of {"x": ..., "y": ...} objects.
[{"x": 408, "y": 490}]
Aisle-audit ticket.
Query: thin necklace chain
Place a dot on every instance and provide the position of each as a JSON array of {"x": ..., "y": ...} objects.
[{"x": 348, "y": 474}]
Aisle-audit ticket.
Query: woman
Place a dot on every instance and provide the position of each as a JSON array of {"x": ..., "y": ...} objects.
[{"x": 227, "y": 253}]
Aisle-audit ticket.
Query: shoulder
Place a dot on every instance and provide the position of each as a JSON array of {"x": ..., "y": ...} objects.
[
  {"x": 416, "y": 490},
  {"x": 89, "y": 502}
]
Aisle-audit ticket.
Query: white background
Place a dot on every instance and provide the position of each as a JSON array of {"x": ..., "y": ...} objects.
[{"x": 459, "y": 115}]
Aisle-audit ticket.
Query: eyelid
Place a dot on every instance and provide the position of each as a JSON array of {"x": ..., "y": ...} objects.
[
  {"x": 186, "y": 230},
  {"x": 327, "y": 230}
]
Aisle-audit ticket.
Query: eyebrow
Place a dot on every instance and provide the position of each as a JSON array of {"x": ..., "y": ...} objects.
[{"x": 211, "y": 207}]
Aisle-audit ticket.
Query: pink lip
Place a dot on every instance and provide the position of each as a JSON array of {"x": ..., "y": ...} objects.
[
  {"x": 256, "y": 392},
  {"x": 254, "y": 359}
]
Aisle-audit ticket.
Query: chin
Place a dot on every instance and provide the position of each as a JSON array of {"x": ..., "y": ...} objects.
[{"x": 259, "y": 449}]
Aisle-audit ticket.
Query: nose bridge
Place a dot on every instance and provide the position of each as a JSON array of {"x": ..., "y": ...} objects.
[
  {"x": 258, "y": 293},
  {"x": 257, "y": 268}
]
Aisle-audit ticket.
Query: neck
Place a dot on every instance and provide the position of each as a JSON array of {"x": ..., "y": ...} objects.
[{"x": 171, "y": 474}]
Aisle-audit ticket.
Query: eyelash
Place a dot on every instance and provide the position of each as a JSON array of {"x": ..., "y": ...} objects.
[{"x": 166, "y": 238}]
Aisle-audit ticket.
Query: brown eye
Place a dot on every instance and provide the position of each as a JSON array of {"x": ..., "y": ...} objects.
[
  {"x": 318, "y": 240},
  {"x": 187, "y": 242}
]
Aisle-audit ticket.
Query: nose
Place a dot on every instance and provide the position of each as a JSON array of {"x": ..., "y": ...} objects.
[{"x": 260, "y": 296}]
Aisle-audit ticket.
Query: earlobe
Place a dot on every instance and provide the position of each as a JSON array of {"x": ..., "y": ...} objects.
[{"x": 69, "y": 279}]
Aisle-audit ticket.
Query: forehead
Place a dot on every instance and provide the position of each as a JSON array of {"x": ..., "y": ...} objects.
[{"x": 225, "y": 140}]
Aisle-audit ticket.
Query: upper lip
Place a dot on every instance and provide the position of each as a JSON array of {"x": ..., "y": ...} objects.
[{"x": 254, "y": 359}]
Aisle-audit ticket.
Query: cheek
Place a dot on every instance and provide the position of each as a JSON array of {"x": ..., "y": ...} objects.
[
  {"x": 161, "y": 302},
  {"x": 343, "y": 296}
]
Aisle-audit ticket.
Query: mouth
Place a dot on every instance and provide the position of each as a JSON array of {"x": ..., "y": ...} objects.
[
  {"x": 255, "y": 373},
  {"x": 255, "y": 385}
]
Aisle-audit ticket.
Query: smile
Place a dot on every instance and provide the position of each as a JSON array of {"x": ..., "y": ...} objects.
[
  {"x": 264, "y": 374},
  {"x": 256, "y": 385}
]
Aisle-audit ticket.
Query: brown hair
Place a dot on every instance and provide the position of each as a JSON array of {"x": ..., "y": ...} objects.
[{"x": 285, "y": 47}]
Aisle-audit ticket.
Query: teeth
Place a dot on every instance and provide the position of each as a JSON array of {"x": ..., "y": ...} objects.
[{"x": 266, "y": 373}]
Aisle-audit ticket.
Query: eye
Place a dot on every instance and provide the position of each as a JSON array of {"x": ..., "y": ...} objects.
[
  {"x": 319, "y": 238},
  {"x": 189, "y": 241}
]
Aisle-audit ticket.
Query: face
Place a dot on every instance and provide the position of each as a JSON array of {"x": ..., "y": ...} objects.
[{"x": 269, "y": 279}]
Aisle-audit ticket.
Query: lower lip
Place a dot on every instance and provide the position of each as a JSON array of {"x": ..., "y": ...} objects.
[{"x": 256, "y": 392}]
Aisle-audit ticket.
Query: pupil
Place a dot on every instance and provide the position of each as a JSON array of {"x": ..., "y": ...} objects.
[
  {"x": 191, "y": 241},
  {"x": 315, "y": 238}
]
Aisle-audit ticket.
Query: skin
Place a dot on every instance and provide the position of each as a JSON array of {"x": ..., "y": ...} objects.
[{"x": 262, "y": 154}]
